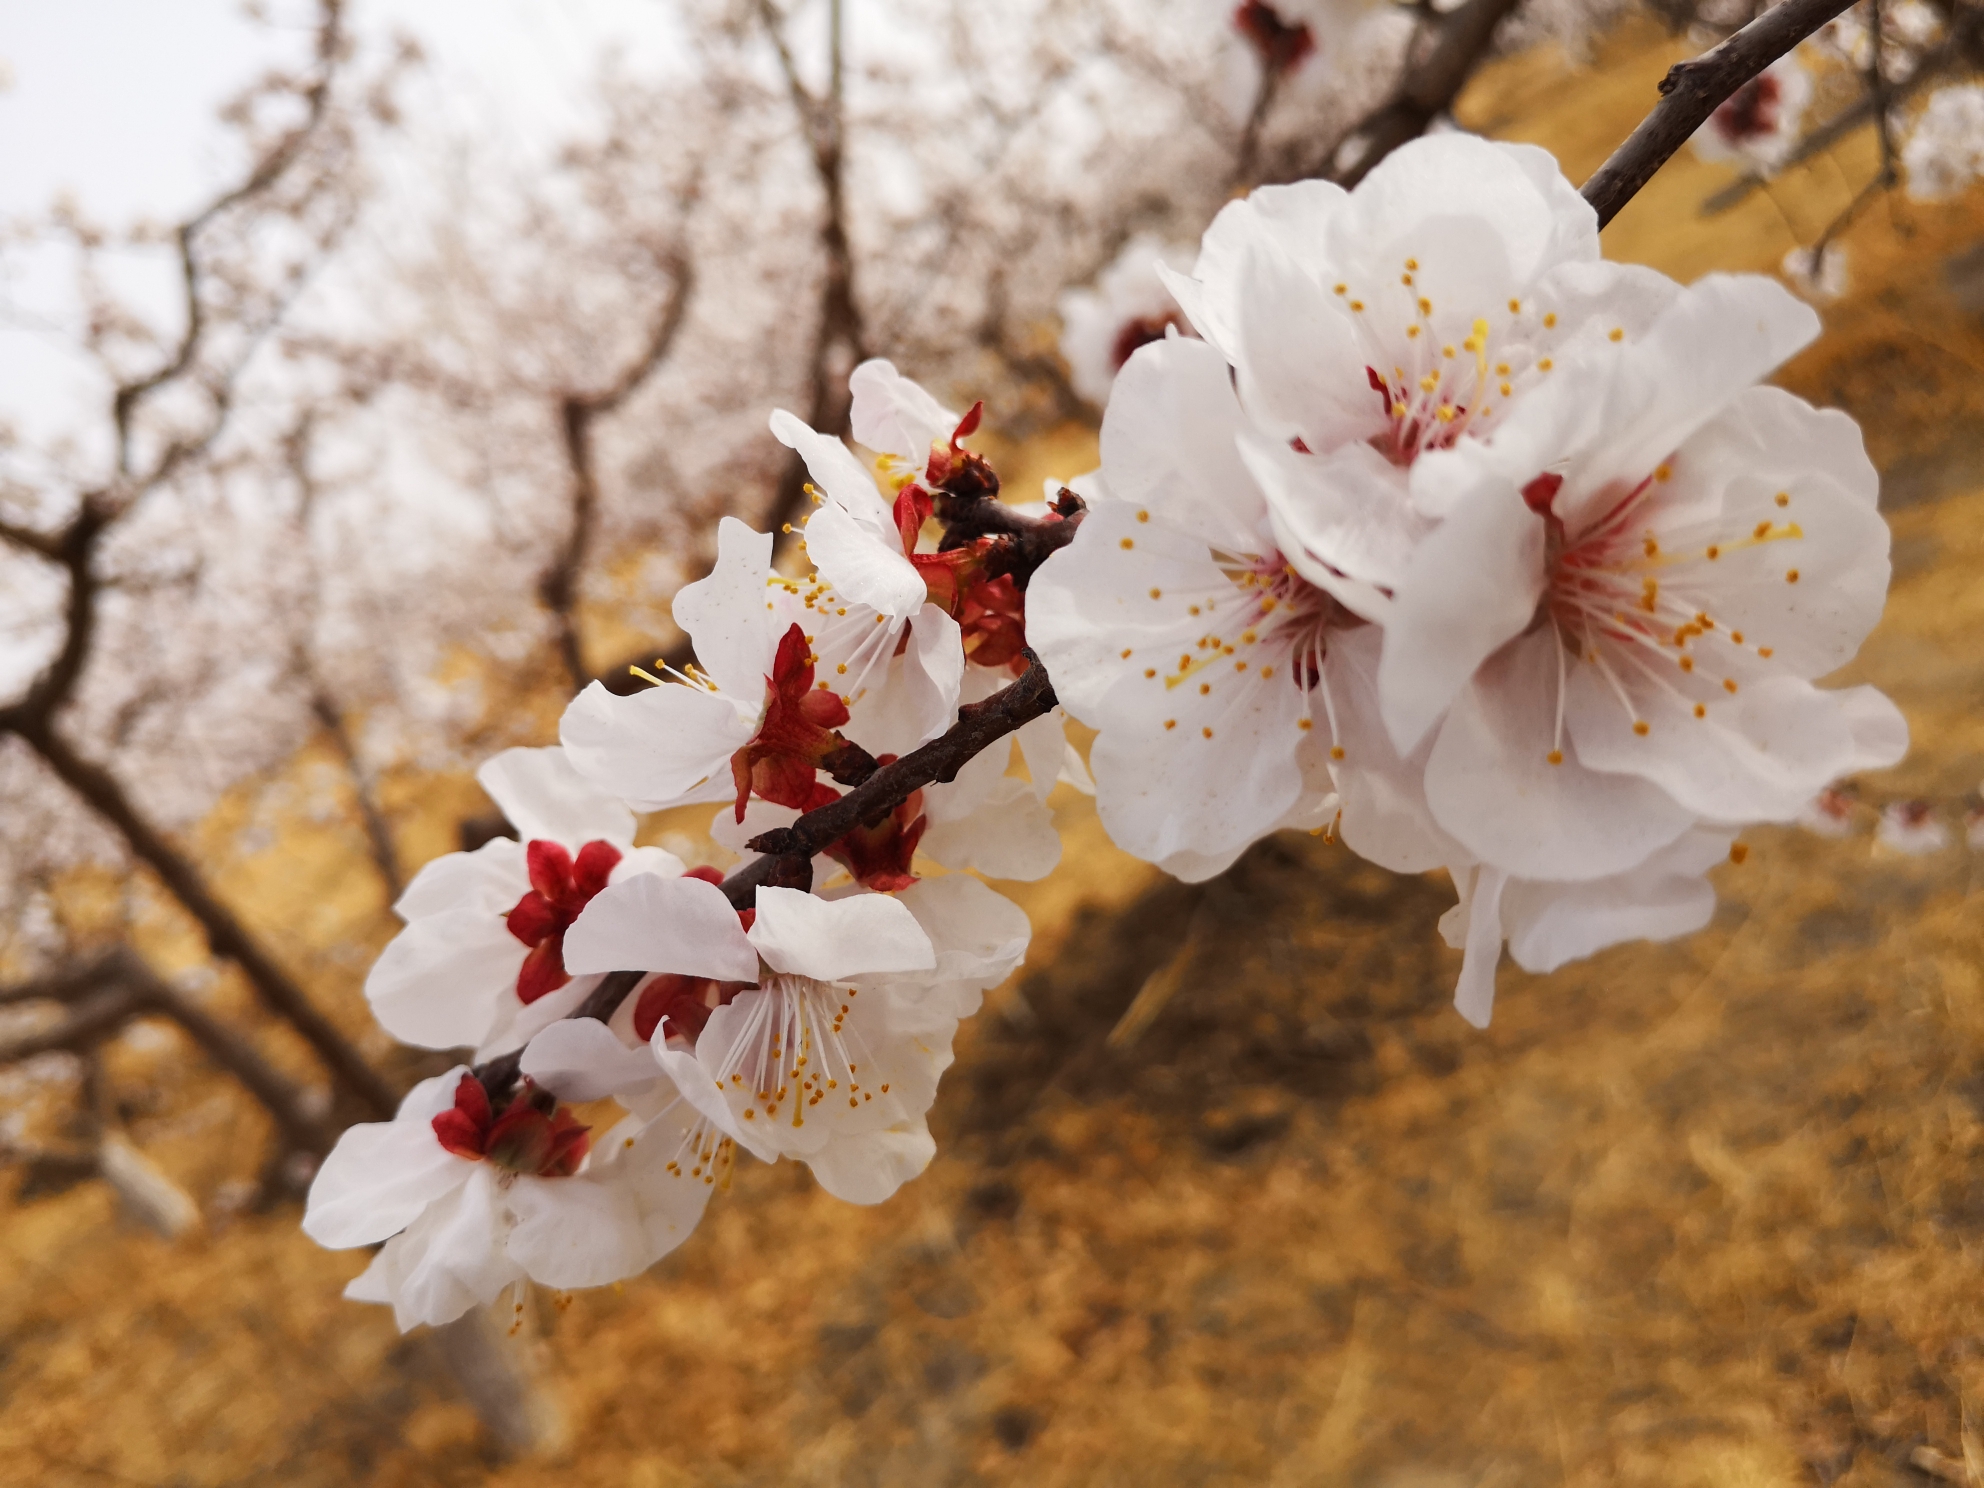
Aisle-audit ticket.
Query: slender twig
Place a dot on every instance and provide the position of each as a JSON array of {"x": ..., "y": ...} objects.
[
  {"x": 1695, "y": 89},
  {"x": 1426, "y": 90},
  {"x": 33, "y": 718},
  {"x": 558, "y": 586},
  {"x": 839, "y": 332}
]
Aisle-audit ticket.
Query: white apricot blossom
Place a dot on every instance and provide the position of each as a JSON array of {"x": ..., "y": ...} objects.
[
  {"x": 1611, "y": 632},
  {"x": 806, "y": 1028},
  {"x": 469, "y": 1201},
  {"x": 1758, "y": 124},
  {"x": 479, "y": 963},
  {"x": 779, "y": 663},
  {"x": 1127, "y": 307},
  {"x": 1944, "y": 151}
]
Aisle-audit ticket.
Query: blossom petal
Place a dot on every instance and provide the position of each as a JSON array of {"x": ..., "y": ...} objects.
[
  {"x": 836, "y": 940},
  {"x": 1471, "y": 585},
  {"x": 447, "y": 1261},
  {"x": 1298, "y": 360},
  {"x": 382, "y": 1174},
  {"x": 659, "y": 747},
  {"x": 1474, "y": 996},
  {"x": 869, "y": 1168},
  {"x": 545, "y": 797},
  {"x": 650, "y": 923},
  {"x": 440, "y": 983},
  {"x": 1293, "y": 218},
  {"x": 894, "y": 415},
  {"x": 581, "y": 1059},
  {"x": 725, "y": 613},
  {"x": 1491, "y": 785},
  {"x": 1168, "y": 445},
  {"x": 490, "y": 879},
  {"x": 841, "y": 477},
  {"x": 862, "y": 565},
  {"x": 1759, "y": 756},
  {"x": 1660, "y": 899}
]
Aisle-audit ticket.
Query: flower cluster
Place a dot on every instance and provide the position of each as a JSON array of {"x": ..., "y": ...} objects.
[
  {"x": 1485, "y": 551},
  {"x": 1442, "y": 534},
  {"x": 797, "y": 1023}
]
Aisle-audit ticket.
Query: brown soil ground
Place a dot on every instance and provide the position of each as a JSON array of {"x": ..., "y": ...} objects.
[{"x": 1226, "y": 1193}]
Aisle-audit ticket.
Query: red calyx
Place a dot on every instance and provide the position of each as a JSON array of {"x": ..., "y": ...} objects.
[
  {"x": 956, "y": 470},
  {"x": 797, "y": 733},
  {"x": 559, "y": 889},
  {"x": 879, "y": 855},
  {"x": 535, "y": 1135},
  {"x": 1276, "y": 42},
  {"x": 992, "y": 615}
]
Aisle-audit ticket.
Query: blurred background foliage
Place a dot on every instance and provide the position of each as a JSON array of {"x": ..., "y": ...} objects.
[{"x": 1225, "y": 1192}]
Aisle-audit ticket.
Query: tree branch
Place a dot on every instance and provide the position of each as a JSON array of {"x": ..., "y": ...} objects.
[
  {"x": 979, "y": 725},
  {"x": 1427, "y": 90},
  {"x": 558, "y": 586},
  {"x": 225, "y": 934},
  {"x": 839, "y": 333},
  {"x": 1693, "y": 90}
]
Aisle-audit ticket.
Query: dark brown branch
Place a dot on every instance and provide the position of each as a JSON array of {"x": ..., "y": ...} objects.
[
  {"x": 1695, "y": 89},
  {"x": 371, "y": 815},
  {"x": 558, "y": 586},
  {"x": 105, "y": 993},
  {"x": 1027, "y": 542},
  {"x": 225, "y": 934},
  {"x": 1934, "y": 64},
  {"x": 499, "y": 1075},
  {"x": 90, "y": 1018},
  {"x": 265, "y": 173},
  {"x": 839, "y": 334},
  {"x": 42, "y": 543},
  {"x": 1426, "y": 91},
  {"x": 979, "y": 726}
]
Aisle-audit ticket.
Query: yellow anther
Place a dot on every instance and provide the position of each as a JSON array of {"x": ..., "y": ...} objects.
[
  {"x": 1640, "y": 728},
  {"x": 1550, "y": 319},
  {"x": 1618, "y": 333},
  {"x": 1336, "y": 751},
  {"x": 1555, "y": 756}
]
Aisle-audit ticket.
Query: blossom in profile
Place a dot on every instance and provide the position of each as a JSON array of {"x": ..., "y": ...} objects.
[
  {"x": 469, "y": 1200},
  {"x": 1758, "y": 124},
  {"x": 780, "y": 664},
  {"x": 1127, "y": 307},
  {"x": 480, "y": 963}
]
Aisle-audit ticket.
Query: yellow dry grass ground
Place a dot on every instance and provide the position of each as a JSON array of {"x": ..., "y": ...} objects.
[{"x": 1699, "y": 1214}]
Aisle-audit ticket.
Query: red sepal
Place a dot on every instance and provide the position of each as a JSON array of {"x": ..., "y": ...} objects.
[
  {"x": 543, "y": 970},
  {"x": 550, "y": 869},
  {"x": 595, "y": 865},
  {"x": 796, "y": 734},
  {"x": 463, "y": 1128}
]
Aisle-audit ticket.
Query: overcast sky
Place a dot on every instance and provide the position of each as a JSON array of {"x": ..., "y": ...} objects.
[{"x": 113, "y": 102}]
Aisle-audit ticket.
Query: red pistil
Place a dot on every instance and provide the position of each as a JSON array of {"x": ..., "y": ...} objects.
[
  {"x": 535, "y": 1135},
  {"x": 798, "y": 732},
  {"x": 559, "y": 889}
]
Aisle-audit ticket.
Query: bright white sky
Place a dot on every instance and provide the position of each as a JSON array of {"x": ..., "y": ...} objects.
[{"x": 113, "y": 103}]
